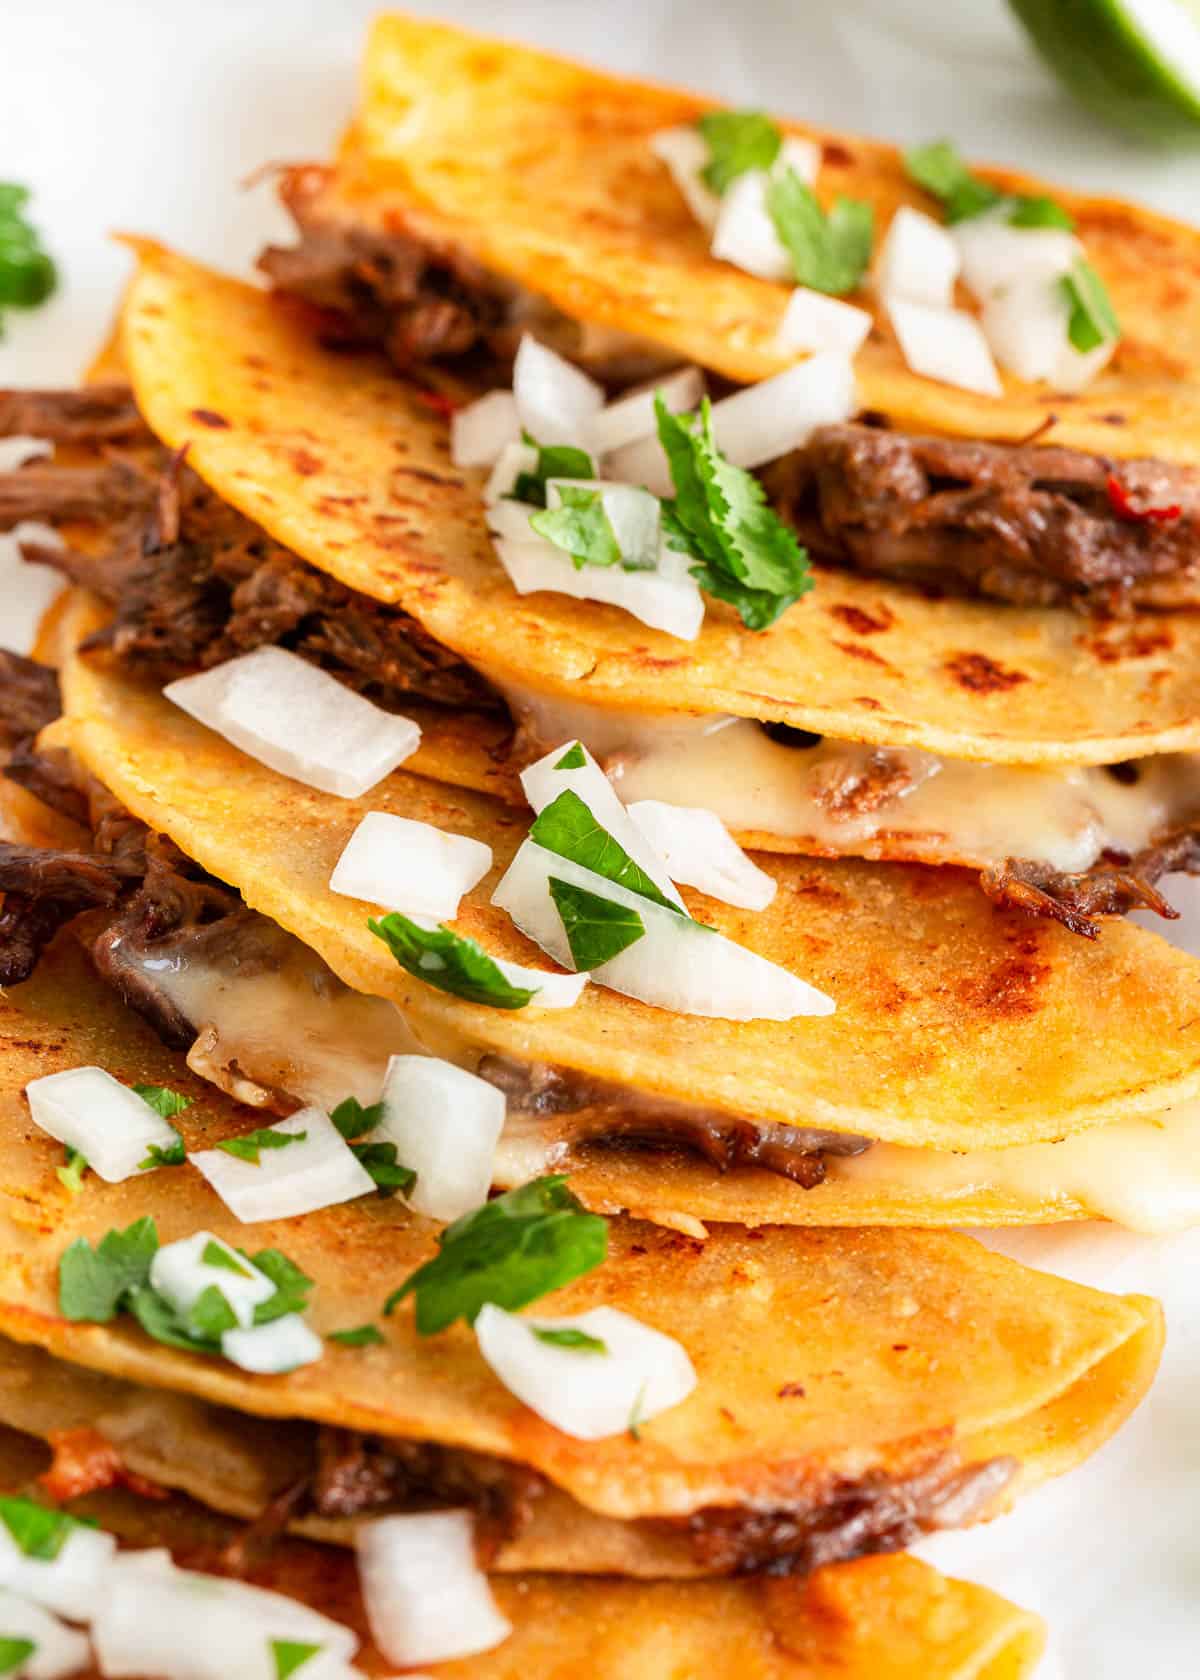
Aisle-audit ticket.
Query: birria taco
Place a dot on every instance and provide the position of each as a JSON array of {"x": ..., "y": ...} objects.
[
  {"x": 882, "y": 1618},
  {"x": 900, "y": 1381},
  {"x": 1049, "y": 750}
]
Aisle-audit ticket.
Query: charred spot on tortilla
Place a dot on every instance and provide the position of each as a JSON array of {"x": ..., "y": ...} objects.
[
  {"x": 982, "y": 675},
  {"x": 210, "y": 418},
  {"x": 862, "y": 622}
]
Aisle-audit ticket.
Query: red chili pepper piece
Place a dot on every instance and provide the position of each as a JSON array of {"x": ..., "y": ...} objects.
[
  {"x": 438, "y": 402},
  {"x": 1118, "y": 498}
]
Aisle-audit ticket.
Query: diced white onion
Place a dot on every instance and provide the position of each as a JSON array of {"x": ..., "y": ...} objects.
[
  {"x": 299, "y": 720},
  {"x": 945, "y": 344},
  {"x": 644, "y": 463},
  {"x": 918, "y": 260},
  {"x": 483, "y": 429},
  {"x": 555, "y": 401},
  {"x": 445, "y": 1123},
  {"x": 995, "y": 255},
  {"x": 427, "y": 1599},
  {"x": 1027, "y": 328},
  {"x": 410, "y": 866},
  {"x": 764, "y": 421},
  {"x": 180, "y": 1274},
  {"x": 745, "y": 234},
  {"x": 635, "y": 516},
  {"x": 17, "y": 450},
  {"x": 699, "y": 850},
  {"x": 685, "y": 152},
  {"x": 319, "y": 1172},
  {"x": 156, "y": 1619},
  {"x": 543, "y": 781},
  {"x": 27, "y": 587},
  {"x": 554, "y": 991},
  {"x": 812, "y": 321},
  {"x": 513, "y": 460},
  {"x": 587, "y": 1394},
  {"x": 87, "y": 1109},
  {"x": 677, "y": 964},
  {"x": 632, "y": 416},
  {"x": 69, "y": 1584},
  {"x": 58, "y": 1649},
  {"x": 671, "y": 604},
  {"x": 271, "y": 1350}
]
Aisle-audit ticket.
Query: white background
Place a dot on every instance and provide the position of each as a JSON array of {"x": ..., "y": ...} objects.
[{"x": 145, "y": 116}]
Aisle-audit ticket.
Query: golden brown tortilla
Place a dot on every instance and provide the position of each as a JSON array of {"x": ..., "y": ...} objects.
[
  {"x": 958, "y": 1025},
  {"x": 341, "y": 462},
  {"x": 881, "y": 1618},
  {"x": 540, "y": 170},
  {"x": 904, "y": 1343}
]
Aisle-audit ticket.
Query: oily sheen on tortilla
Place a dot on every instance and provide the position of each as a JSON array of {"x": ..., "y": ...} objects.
[
  {"x": 880, "y": 1618},
  {"x": 905, "y": 1344},
  {"x": 958, "y": 1026},
  {"x": 540, "y": 170},
  {"x": 346, "y": 466}
]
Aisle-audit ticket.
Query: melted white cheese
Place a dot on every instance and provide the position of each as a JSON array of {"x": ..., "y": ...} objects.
[{"x": 969, "y": 812}]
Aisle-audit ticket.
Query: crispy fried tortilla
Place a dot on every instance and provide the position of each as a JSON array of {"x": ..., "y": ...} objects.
[
  {"x": 345, "y": 466},
  {"x": 952, "y": 1016},
  {"x": 882, "y": 1618},
  {"x": 539, "y": 171},
  {"x": 882, "y": 1361}
]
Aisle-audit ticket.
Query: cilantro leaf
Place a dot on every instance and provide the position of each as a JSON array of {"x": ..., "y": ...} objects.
[
  {"x": 573, "y": 758},
  {"x": 292, "y": 1286},
  {"x": 597, "y": 928},
  {"x": 248, "y": 1147},
  {"x": 14, "y": 1652},
  {"x": 158, "y": 1318},
  {"x": 511, "y": 1251},
  {"x": 720, "y": 516},
  {"x": 737, "y": 141},
  {"x": 366, "y": 1335},
  {"x": 40, "y": 1531},
  {"x": 27, "y": 274},
  {"x": 580, "y": 527},
  {"x": 70, "y": 1175},
  {"x": 577, "y": 1340},
  {"x": 92, "y": 1282},
  {"x": 1093, "y": 320},
  {"x": 450, "y": 962},
  {"x": 216, "y": 1254},
  {"x": 1039, "y": 212},
  {"x": 163, "y": 1101},
  {"x": 291, "y": 1654},
  {"x": 567, "y": 827},
  {"x": 210, "y": 1314},
  {"x": 352, "y": 1119},
  {"x": 939, "y": 168},
  {"x": 829, "y": 251},
  {"x": 164, "y": 1155},
  {"x": 555, "y": 460},
  {"x": 379, "y": 1159}
]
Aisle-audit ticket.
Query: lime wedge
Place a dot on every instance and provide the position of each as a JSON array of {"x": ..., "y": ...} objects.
[{"x": 1135, "y": 62}]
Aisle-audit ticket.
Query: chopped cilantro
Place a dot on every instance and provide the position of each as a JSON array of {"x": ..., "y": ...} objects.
[
  {"x": 92, "y": 1282},
  {"x": 450, "y": 962},
  {"x": 352, "y": 1118},
  {"x": 38, "y": 1530},
  {"x": 737, "y": 141},
  {"x": 164, "y": 1155},
  {"x": 573, "y": 759},
  {"x": 291, "y": 1654},
  {"x": 1093, "y": 320},
  {"x": 291, "y": 1285},
  {"x": 580, "y": 527},
  {"x": 578, "y": 1341},
  {"x": 720, "y": 517},
  {"x": 14, "y": 1652},
  {"x": 829, "y": 250},
  {"x": 567, "y": 827},
  {"x": 163, "y": 1101},
  {"x": 210, "y": 1314},
  {"x": 27, "y": 274},
  {"x": 366, "y": 1335},
  {"x": 379, "y": 1159},
  {"x": 70, "y": 1174},
  {"x": 556, "y": 460},
  {"x": 1039, "y": 212},
  {"x": 597, "y": 928},
  {"x": 511, "y": 1251},
  {"x": 249, "y": 1146},
  {"x": 216, "y": 1254},
  {"x": 939, "y": 168}
]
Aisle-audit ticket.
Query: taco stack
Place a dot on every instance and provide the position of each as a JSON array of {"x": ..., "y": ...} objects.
[{"x": 522, "y": 823}]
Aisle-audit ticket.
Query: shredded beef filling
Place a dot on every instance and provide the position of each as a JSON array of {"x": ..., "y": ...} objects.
[
  {"x": 1112, "y": 887},
  {"x": 93, "y": 414},
  {"x": 1031, "y": 525},
  {"x": 29, "y": 698}
]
